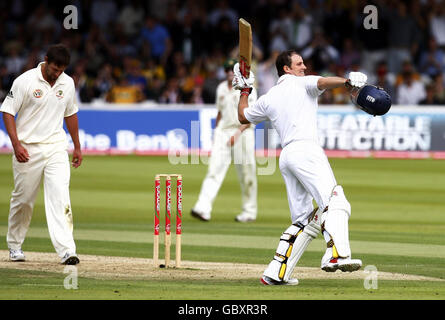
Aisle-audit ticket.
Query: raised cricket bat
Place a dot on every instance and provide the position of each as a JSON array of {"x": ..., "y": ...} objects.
[{"x": 245, "y": 47}]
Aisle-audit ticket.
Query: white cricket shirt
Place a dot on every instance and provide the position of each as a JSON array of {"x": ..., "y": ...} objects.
[
  {"x": 291, "y": 106},
  {"x": 227, "y": 103},
  {"x": 40, "y": 108}
]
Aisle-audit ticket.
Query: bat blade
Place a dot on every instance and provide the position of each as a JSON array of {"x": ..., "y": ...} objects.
[{"x": 245, "y": 47}]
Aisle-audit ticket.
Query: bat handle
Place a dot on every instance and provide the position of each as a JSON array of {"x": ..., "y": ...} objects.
[{"x": 244, "y": 68}]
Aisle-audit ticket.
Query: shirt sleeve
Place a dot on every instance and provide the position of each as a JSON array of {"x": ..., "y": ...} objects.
[
  {"x": 311, "y": 83},
  {"x": 71, "y": 107},
  {"x": 14, "y": 99},
  {"x": 256, "y": 113}
]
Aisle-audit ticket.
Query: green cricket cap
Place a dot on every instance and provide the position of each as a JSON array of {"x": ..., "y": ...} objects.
[{"x": 229, "y": 63}]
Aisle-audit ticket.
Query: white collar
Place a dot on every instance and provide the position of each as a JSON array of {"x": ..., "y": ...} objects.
[
  {"x": 284, "y": 77},
  {"x": 60, "y": 79}
]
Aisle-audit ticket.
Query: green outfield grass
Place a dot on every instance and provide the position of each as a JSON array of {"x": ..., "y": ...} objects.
[{"x": 397, "y": 225}]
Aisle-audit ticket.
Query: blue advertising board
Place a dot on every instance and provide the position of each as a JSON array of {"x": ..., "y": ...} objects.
[
  {"x": 402, "y": 129},
  {"x": 169, "y": 128}
]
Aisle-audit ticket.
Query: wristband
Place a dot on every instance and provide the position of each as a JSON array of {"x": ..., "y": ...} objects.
[{"x": 246, "y": 91}]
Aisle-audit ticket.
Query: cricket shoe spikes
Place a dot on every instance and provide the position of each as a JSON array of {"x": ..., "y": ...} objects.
[
  {"x": 70, "y": 259},
  {"x": 271, "y": 282},
  {"x": 343, "y": 264}
]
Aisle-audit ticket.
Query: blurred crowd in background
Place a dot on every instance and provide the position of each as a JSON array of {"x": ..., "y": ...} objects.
[{"x": 171, "y": 51}]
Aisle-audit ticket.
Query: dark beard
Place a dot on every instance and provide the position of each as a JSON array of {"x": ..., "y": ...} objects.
[{"x": 47, "y": 75}]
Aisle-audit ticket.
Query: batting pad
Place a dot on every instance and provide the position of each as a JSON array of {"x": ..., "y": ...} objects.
[
  {"x": 278, "y": 266},
  {"x": 293, "y": 243},
  {"x": 336, "y": 221},
  {"x": 309, "y": 233}
]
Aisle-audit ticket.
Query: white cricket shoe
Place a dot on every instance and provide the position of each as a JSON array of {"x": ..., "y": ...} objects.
[
  {"x": 245, "y": 217},
  {"x": 70, "y": 259},
  {"x": 271, "y": 282},
  {"x": 343, "y": 264},
  {"x": 16, "y": 255},
  {"x": 200, "y": 215}
]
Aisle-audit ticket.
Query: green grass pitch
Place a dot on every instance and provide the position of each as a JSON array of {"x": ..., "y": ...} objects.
[{"x": 397, "y": 225}]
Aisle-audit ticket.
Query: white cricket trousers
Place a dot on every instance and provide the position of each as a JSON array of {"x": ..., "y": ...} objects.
[
  {"x": 50, "y": 162},
  {"x": 307, "y": 175},
  {"x": 243, "y": 155}
]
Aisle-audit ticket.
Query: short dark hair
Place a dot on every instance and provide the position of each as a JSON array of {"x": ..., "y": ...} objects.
[
  {"x": 284, "y": 59},
  {"x": 59, "y": 55}
]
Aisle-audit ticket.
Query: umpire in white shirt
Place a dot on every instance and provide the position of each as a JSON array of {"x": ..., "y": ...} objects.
[
  {"x": 231, "y": 141},
  {"x": 41, "y": 99}
]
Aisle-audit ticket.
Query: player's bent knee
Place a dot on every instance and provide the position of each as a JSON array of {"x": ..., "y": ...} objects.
[{"x": 338, "y": 201}]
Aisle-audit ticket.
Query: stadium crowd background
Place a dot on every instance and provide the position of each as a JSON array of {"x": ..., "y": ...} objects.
[{"x": 170, "y": 51}]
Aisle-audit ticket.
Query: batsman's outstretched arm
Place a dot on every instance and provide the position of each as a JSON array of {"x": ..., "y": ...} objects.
[
  {"x": 245, "y": 85},
  {"x": 331, "y": 82},
  {"x": 355, "y": 80},
  {"x": 243, "y": 104}
]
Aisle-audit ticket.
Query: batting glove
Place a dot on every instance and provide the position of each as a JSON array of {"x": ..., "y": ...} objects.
[
  {"x": 357, "y": 79},
  {"x": 239, "y": 82}
]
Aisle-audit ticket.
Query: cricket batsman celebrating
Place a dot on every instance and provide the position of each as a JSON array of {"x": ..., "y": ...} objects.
[
  {"x": 291, "y": 106},
  {"x": 42, "y": 98},
  {"x": 231, "y": 141}
]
